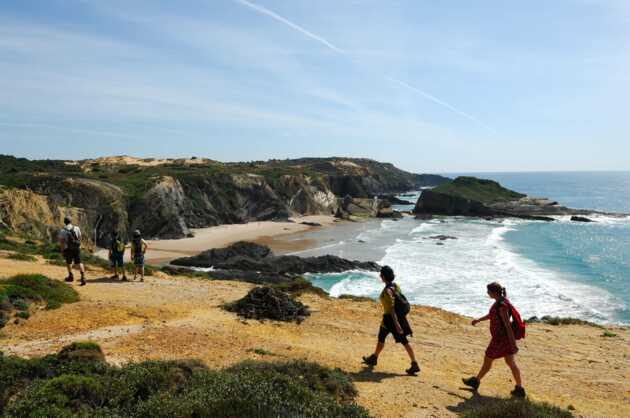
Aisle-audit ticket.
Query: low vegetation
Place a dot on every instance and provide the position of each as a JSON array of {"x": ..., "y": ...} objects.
[
  {"x": 269, "y": 303},
  {"x": 555, "y": 320},
  {"x": 608, "y": 334},
  {"x": 514, "y": 408},
  {"x": 484, "y": 191},
  {"x": 20, "y": 293},
  {"x": 77, "y": 382}
]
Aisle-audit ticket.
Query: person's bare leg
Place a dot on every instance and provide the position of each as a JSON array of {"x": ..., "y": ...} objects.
[
  {"x": 379, "y": 348},
  {"x": 487, "y": 365},
  {"x": 511, "y": 362},
  {"x": 82, "y": 268},
  {"x": 142, "y": 274},
  {"x": 412, "y": 355},
  {"x": 69, "y": 266}
]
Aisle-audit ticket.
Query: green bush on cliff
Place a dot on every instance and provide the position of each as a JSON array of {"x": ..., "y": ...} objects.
[
  {"x": 484, "y": 191},
  {"x": 19, "y": 292},
  {"x": 78, "y": 383},
  {"x": 515, "y": 408}
]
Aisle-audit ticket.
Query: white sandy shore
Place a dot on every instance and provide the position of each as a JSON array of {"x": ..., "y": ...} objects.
[{"x": 269, "y": 233}]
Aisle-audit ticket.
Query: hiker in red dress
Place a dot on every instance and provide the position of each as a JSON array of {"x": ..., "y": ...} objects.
[{"x": 504, "y": 334}]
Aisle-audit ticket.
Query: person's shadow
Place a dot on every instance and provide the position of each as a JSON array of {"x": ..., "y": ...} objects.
[
  {"x": 108, "y": 280},
  {"x": 475, "y": 401},
  {"x": 367, "y": 374}
]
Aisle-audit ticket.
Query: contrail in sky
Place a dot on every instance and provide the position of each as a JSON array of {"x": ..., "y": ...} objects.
[
  {"x": 290, "y": 24},
  {"x": 275, "y": 16},
  {"x": 441, "y": 103}
]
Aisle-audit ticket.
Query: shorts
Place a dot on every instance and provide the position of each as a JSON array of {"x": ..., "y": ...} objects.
[
  {"x": 72, "y": 255},
  {"x": 388, "y": 327},
  {"x": 117, "y": 260},
  {"x": 138, "y": 260}
]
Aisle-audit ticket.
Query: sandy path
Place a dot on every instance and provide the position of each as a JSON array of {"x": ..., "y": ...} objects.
[{"x": 172, "y": 318}]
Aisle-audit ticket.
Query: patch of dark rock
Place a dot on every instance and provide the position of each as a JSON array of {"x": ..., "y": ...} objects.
[
  {"x": 581, "y": 219},
  {"x": 439, "y": 243},
  {"x": 218, "y": 255},
  {"x": 442, "y": 237},
  {"x": 269, "y": 303},
  {"x": 424, "y": 216},
  {"x": 395, "y": 200},
  {"x": 311, "y": 223}
]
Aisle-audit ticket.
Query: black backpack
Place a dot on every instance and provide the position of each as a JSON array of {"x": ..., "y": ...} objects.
[
  {"x": 73, "y": 241},
  {"x": 401, "y": 304}
]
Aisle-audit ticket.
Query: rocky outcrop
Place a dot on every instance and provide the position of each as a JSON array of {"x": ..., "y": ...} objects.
[
  {"x": 467, "y": 196},
  {"x": 160, "y": 212},
  {"x": 581, "y": 219},
  {"x": 258, "y": 258}
]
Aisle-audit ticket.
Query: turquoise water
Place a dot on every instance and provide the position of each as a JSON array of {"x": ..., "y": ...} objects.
[{"x": 562, "y": 268}]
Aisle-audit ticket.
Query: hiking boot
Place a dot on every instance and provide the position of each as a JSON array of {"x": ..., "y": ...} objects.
[
  {"x": 124, "y": 279},
  {"x": 371, "y": 360},
  {"x": 472, "y": 382},
  {"x": 69, "y": 279},
  {"x": 114, "y": 277},
  {"x": 82, "y": 283},
  {"x": 518, "y": 392},
  {"x": 413, "y": 369}
]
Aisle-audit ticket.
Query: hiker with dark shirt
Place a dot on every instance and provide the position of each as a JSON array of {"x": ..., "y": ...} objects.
[
  {"x": 117, "y": 256},
  {"x": 70, "y": 245},
  {"x": 138, "y": 250},
  {"x": 395, "y": 310},
  {"x": 504, "y": 334}
]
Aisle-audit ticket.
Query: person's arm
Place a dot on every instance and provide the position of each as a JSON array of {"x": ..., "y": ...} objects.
[
  {"x": 478, "y": 320},
  {"x": 390, "y": 294},
  {"x": 61, "y": 238},
  {"x": 505, "y": 319},
  {"x": 145, "y": 247}
]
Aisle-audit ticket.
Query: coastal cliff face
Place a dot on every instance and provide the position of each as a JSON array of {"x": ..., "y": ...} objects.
[{"x": 168, "y": 198}]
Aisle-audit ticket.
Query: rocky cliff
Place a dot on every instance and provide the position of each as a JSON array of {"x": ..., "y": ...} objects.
[
  {"x": 469, "y": 196},
  {"x": 168, "y": 198}
]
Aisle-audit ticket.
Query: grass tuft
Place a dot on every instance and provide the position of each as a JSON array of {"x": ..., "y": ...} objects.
[{"x": 514, "y": 408}]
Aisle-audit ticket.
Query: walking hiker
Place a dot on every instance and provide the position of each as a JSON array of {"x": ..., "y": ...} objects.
[
  {"x": 138, "y": 250},
  {"x": 70, "y": 244},
  {"x": 504, "y": 335},
  {"x": 117, "y": 256},
  {"x": 395, "y": 310}
]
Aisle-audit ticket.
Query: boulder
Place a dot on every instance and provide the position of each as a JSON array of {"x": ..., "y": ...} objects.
[
  {"x": 581, "y": 219},
  {"x": 215, "y": 256}
]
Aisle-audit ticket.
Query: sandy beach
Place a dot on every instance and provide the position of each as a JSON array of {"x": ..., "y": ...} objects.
[{"x": 273, "y": 234}]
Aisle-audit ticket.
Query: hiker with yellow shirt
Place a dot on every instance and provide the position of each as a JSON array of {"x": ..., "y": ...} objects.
[{"x": 395, "y": 311}]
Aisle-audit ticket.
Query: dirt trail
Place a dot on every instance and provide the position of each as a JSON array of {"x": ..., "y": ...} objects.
[{"x": 173, "y": 318}]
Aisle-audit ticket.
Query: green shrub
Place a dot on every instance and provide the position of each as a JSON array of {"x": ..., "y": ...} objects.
[
  {"x": 555, "y": 320},
  {"x": 19, "y": 292},
  {"x": 608, "y": 334},
  {"x": 22, "y": 257},
  {"x": 356, "y": 298},
  {"x": 23, "y": 315},
  {"x": 298, "y": 286},
  {"x": 65, "y": 385},
  {"x": 514, "y": 408}
]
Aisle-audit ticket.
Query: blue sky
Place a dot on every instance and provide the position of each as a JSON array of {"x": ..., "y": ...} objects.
[{"x": 432, "y": 86}]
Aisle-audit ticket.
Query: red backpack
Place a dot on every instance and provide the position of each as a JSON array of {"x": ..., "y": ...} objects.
[
  {"x": 517, "y": 323},
  {"x": 518, "y": 326}
]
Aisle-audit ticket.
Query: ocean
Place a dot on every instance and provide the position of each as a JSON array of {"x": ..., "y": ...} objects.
[{"x": 562, "y": 268}]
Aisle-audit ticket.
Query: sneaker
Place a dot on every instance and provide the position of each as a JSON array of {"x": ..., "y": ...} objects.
[
  {"x": 472, "y": 382},
  {"x": 518, "y": 392},
  {"x": 69, "y": 279},
  {"x": 371, "y": 360},
  {"x": 413, "y": 369}
]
